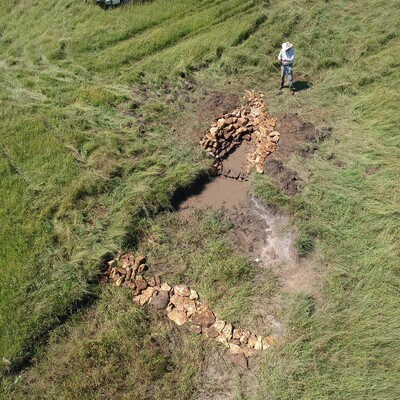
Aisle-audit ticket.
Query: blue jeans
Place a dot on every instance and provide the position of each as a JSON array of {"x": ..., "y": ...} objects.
[{"x": 287, "y": 70}]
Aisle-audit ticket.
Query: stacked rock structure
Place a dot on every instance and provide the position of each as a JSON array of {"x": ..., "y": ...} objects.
[
  {"x": 183, "y": 306},
  {"x": 252, "y": 123}
]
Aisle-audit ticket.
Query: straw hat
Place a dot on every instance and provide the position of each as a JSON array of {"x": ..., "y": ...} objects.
[{"x": 286, "y": 46}]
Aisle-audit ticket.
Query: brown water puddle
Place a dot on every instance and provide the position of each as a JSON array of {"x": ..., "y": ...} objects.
[{"x": 266, "y": 236}]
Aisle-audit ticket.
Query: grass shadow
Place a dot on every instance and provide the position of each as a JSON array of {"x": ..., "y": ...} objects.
[
  {"x": 301, "y": 85},
  {"x": 196, "y": 187}
]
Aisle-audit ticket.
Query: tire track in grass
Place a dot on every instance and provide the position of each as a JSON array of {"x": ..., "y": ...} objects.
[
  {"x": 140, "y": 48},
  {"x": 134, "y": 31},
  {"x": 177, "y": 56}
]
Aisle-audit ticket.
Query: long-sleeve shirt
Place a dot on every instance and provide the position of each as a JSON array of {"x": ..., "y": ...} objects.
[{"x": 288, "y": 55}]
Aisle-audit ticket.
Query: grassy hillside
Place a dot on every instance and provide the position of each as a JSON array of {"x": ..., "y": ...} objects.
[
  {"x": 83, "y": 173},
  {"x": 78, "y": 171}
]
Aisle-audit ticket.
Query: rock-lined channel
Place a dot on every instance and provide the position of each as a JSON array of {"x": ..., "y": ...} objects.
[
  {"x": 252, "y": 123},
  {"x": 183, "y": 306}
]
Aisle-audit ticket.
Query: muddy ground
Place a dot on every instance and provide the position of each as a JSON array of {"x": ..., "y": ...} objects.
[
  {"x": 266, "y": 236},
  {"x": 297, "y": 138}
]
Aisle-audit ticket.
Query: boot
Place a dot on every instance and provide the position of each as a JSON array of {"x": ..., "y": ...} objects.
[{"x": 282, "y": 83}]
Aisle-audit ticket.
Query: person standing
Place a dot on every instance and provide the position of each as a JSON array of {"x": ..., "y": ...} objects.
[{"x": 286, "y": 58}]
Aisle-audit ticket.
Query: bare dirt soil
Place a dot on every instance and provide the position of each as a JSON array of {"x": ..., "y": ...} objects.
[
  {"x": 219, "y": 103},
  {"x": 297, "y": 137}
]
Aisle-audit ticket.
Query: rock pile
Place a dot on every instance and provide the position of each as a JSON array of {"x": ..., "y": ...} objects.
[
  {"x": 250, "y": 122},
  {"x": 183, "y": 306}
]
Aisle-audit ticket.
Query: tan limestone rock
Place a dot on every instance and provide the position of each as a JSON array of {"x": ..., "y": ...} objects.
[
  {"x": 128, "y": 273},
  {"x": 265, "y": 344},
  {"x": 274, "y": 139},
  {"x": 259, "y": 343},
  {"x": 219, "y": 325},
  {"x": 271, "y": 121},
  {"x": 221, "y": 123},
  {"x": 140, "y": 283},
  {"x": 165, "y": 287},
  {"x": 245, "y": 337},
  {"x": 211, "y": 137},
  {"x": 252, "y": 341},
  {"x": 183, "y": 303},
  {"x": 193, "y": 295},
  {"x": 177, "y": 316},
  {"x": 260, "y": 168},
  {"x": 195, "y": 329},
  {"x": 235, "y": 349},
  {"x": 237, "y": 333},
  {"x": 146, "y": 295},
  {"x": 211, "y": 332},
  {"x": 264, "y": 130},
  {"x": 142, "y": 268},
  {"x": 227, "y": 135},
  {"x": 222, "y": 339},
  {"x": 227, "y": 331},
  {"x": 203, "y": 316},
  {"x": 213, "y": 131},
  {"x": 182, "y": 290},
  {"x": 115, "y": 274},
  {"x": 242, "y": 130},
  {"x": 120, "y": 280}
]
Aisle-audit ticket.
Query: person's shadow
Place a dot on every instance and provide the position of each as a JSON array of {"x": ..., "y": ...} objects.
[{"x": 298, "y": 86}]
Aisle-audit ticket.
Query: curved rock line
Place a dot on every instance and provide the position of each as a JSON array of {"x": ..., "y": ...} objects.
[
  {"x": 251, "y": 123},
  {"x": 183, "y": 306}
]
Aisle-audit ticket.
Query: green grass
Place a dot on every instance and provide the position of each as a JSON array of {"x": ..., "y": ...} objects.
[
  {"x": 200, "y": 255},
  {"x": 118, "y": 351},
  {"x": 79, "y": 179},
  {"x": 117, "y": 348},
  {"x": 79, "y": 176}
]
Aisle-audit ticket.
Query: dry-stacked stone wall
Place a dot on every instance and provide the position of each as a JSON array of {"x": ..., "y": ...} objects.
[
  {"x": 183, "y": 306},
  {"x": 250, "y": 122}
]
